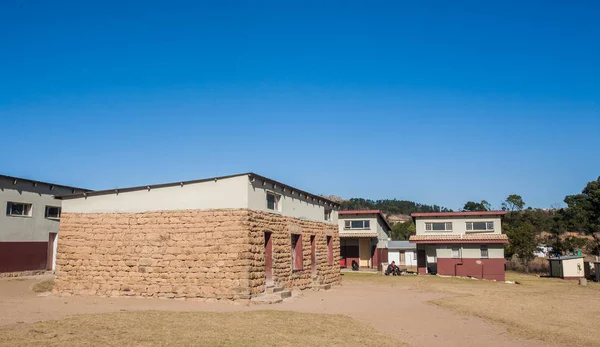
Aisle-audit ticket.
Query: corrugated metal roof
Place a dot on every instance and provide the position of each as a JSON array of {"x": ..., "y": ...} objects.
[
  {"x": 342, "y": 235},
  {"x": 401, "y": 245},
  {"x": 460, "y": 238}
]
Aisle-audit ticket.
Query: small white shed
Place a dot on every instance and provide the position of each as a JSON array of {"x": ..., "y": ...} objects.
[
  {"x": 403, "y": 253},
  {"x": 568, "y": 268}
]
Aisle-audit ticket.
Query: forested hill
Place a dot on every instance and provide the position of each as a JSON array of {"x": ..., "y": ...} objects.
[{"x": 390, "y": 206}]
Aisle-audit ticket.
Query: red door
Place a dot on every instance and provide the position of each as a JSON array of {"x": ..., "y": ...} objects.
[
  {"x": 268, "y": 259},
  {"x": 313, "y": 255}
]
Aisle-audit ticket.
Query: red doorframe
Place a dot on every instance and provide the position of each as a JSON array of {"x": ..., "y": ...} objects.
[
  {"x": 50, "y": 259},
  {"x": 268, "y": 258},
  {"x": 313, "y": 255},
  {"x": 421, "y": 262}
]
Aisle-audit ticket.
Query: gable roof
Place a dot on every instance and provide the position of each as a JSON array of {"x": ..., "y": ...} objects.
[
  {"x": 360, "y": 212},
  {"x": 251, "y": 175},
  {"x": 16, "y": 179},
  {"x": 458, "y": 214}
]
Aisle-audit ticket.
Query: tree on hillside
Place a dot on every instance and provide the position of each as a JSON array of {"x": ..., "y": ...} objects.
[
  {"x": 513, "y": 202},
  {"x": 472, "y": 206},
  {"x": 523, "y": 228},
  {"x": 402, "y": 231},
  {"x": 390, "y": 206},
  {"x": 522, "y": 242},
  {"x": 583, "y": 211}
]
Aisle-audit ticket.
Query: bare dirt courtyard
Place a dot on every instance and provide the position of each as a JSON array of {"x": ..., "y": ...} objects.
[{"x": 365, "y": 310}]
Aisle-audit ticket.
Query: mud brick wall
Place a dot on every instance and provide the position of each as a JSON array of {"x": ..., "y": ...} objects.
[
  {"x": 282, "y": 228},
  {"x": 207, "y": 254},
  {"x": 173, "y": 254}
]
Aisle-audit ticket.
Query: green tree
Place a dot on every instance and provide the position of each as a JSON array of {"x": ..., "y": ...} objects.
[
  {"x": 583, "y": 211},
  {"x": 402, "y": 231},
  {"x": 522, "y": 241},
  {"x": 477, "y": 206},
  {"x": 513, "y": 202}
]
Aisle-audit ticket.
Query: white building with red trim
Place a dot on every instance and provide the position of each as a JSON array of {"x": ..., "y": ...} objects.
[
  {"x": 465, "y": 244},
  {"x": 364, "y": 236}
]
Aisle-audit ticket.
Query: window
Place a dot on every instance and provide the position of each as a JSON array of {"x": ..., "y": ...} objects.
[
  {"x": 357, "y": 224},
  {"x": 327, "y": 214},
  {"x": 297, "y": 252},
  {"x": 329, "y": 250},
  {"x": 484, "y": 252},
  {"x": 273, "y": 202},
  {"x": 480, "y": 226},
  {"x": 18, "y": 209},
  {"x": 415, "y": 255},
  {"x": 441, "y": 226},
  {"x": 52, "y": 212},
  {"x": 455, "y": 252}
]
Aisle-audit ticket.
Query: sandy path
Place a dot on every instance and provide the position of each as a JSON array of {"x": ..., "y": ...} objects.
[{"x": 407, "y": 318}]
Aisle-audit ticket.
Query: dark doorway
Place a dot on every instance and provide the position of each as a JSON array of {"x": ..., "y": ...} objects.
[
  {"x": 268, "y": 259},
  {"x": 421, "y": 262},
  {"x": 313, "y": 255}
]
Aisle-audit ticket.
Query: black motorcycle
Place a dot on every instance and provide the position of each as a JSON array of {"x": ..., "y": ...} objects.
[{"x": 354, "y": 265}]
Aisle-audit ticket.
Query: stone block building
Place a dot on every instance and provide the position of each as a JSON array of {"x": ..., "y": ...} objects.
[{"x": 227, "y": 238}]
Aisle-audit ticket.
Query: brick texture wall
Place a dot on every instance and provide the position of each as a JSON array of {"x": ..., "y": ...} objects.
[{"x": 207, "y": 254}]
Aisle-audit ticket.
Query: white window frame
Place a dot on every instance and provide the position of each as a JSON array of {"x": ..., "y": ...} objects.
[
  {"x": 46, "y": 214},
  {"x": 487, "y": 251},
  {"x": 429, "y": 227},
  {"x": 277, "y": 201},
  {"x": 366, "y": 224},
  {"x": 455, "y": 252},
  {"x": 489, "y": 226},
  {"x": 27, "y": 209}
]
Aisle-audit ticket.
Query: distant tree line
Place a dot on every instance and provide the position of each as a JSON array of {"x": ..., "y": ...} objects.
[{"x": 390, "y": 206}]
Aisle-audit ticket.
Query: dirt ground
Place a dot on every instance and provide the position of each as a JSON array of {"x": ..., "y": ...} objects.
[{"x": 392, "y": 306}]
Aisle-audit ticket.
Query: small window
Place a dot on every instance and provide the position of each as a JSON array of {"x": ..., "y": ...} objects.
[
  {"x": 357, "y": 224},
  {"x": 329, "y": 250},
  {"x": 455, "y": 252},
  {"x": 484, "y": 252},
  {"x": 18, "y": 209},
  {"x": 273, "y": 201},
  {"x": 441, "y": 226},
  {"x": 414, "y": 255},
  {"x": 327, "y": 214},
  {"x": 52, "y": 212},
  {"x": 480, "y": 226},
  {"x": 297, "y": 263}
]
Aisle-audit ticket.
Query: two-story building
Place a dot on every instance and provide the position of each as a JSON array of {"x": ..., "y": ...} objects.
[
  {"x": 230, "y": 237},
  {"x": 364, "y": 236},
  {"x": 29, "y": 226},
  {"x": 465, "y": 244}
]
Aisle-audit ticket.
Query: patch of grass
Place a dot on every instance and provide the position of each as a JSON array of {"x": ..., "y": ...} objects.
[
  {"x": 154, "y": 328},
  {"x": 548, "y": 309},
  {"x": 43, "y": 286}
]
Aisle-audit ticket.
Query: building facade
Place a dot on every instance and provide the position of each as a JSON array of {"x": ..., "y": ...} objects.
[
  {"x": 364, "y": 237},
  {"x": 29, "y": 227},
  {"x": 465, "y": 244},
  {"x": 229, "y": 237},
  {"x": 403, "y": 253}
]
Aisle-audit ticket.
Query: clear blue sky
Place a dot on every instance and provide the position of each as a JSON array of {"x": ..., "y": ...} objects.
[{"x": 436, "y": 102}]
